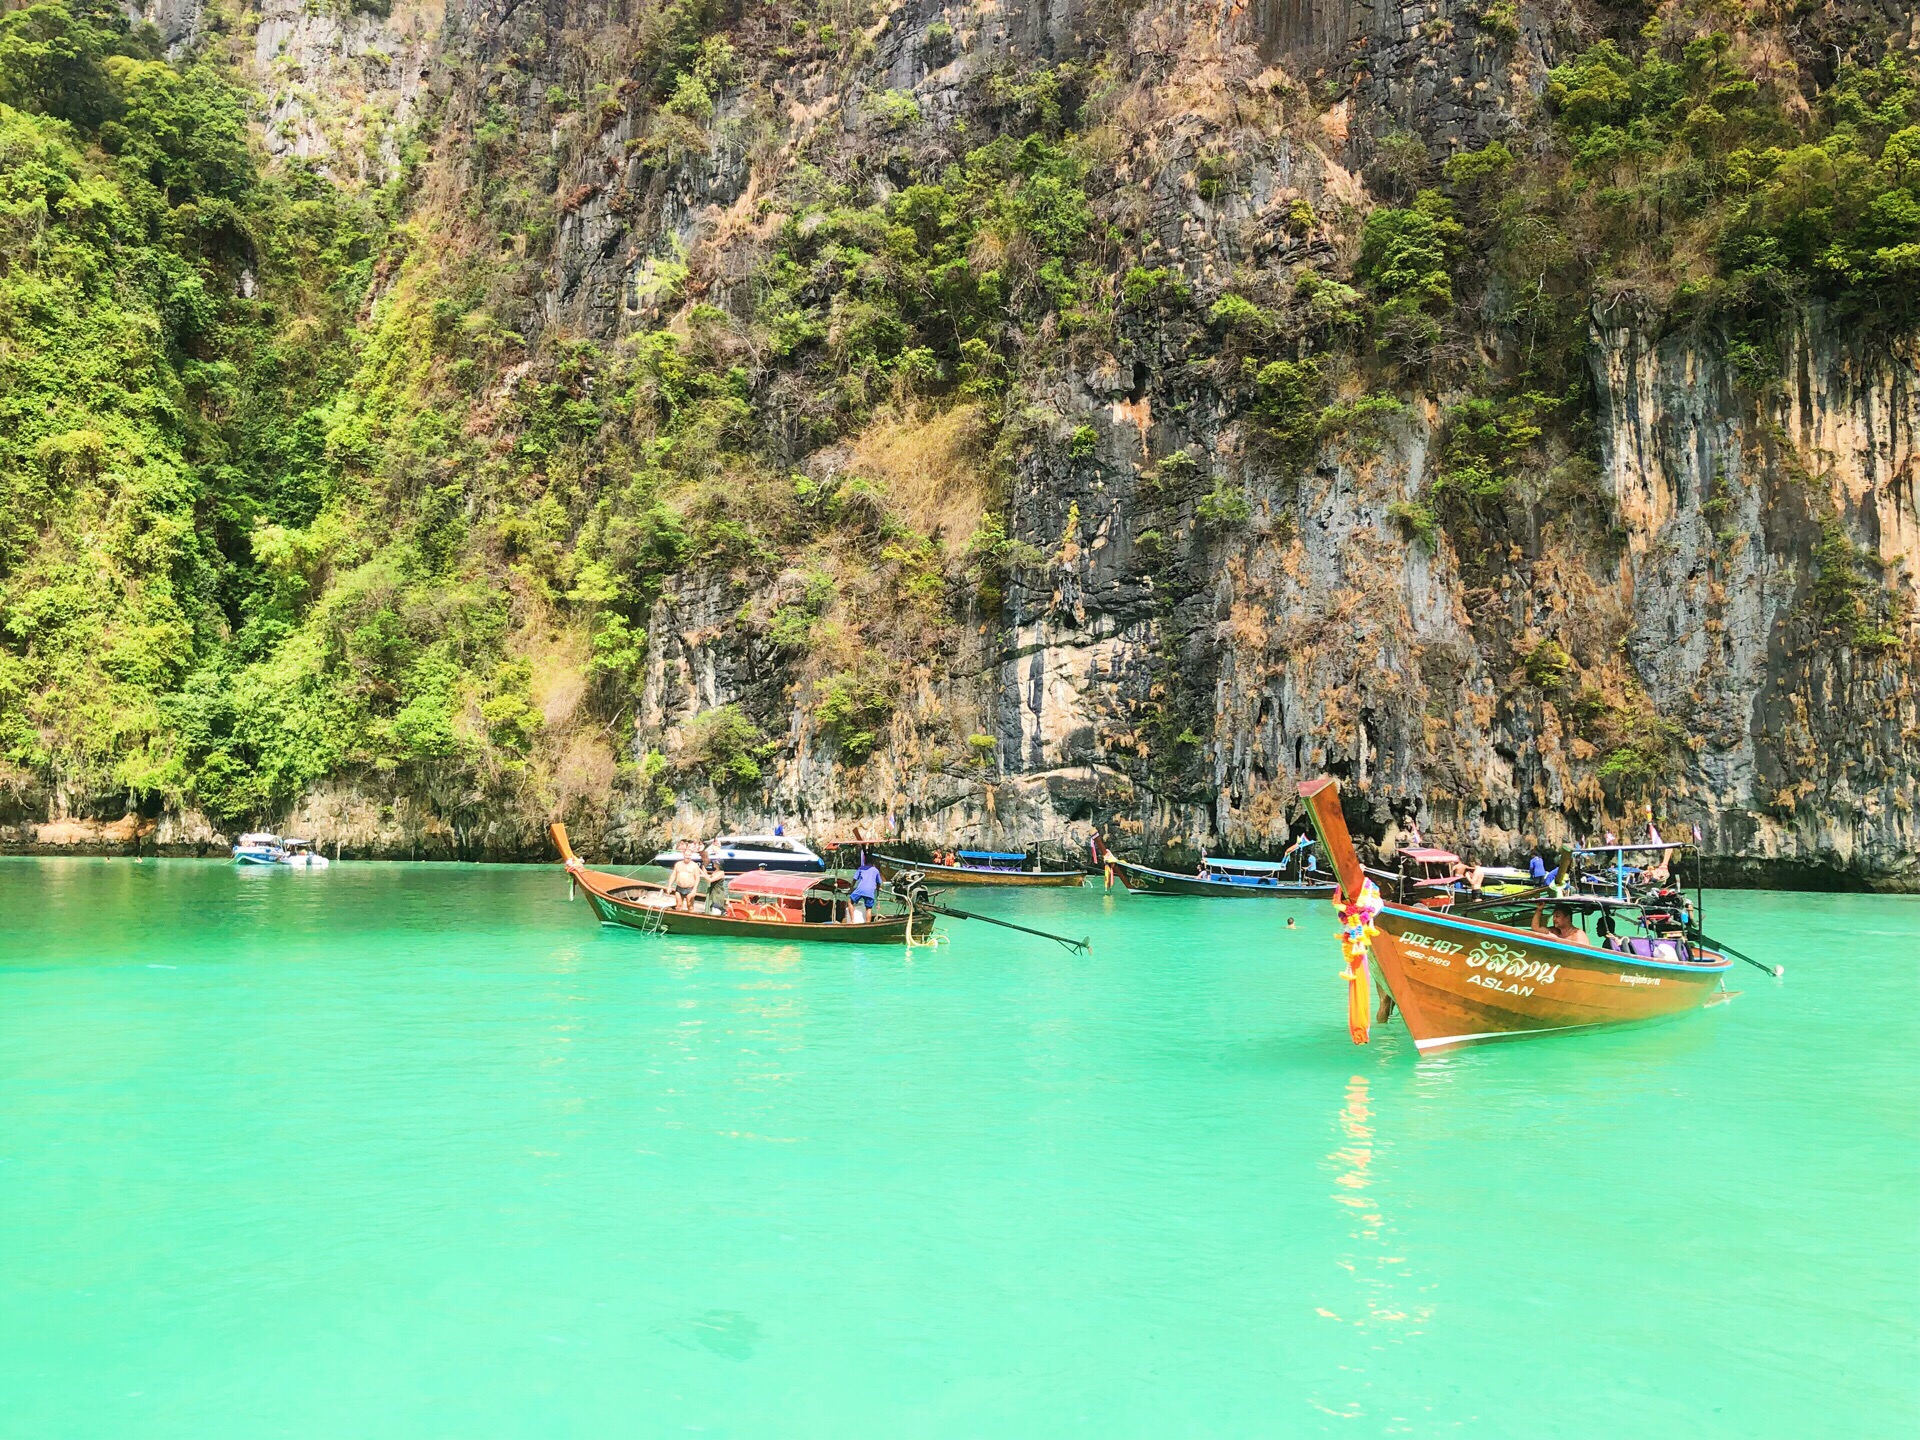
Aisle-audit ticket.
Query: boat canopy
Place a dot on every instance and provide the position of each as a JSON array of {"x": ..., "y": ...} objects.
[
  {"x": 1427, "y": 856},
  {"x": 260, "y": 837},
  {"x": 1250, "y": 867},
  {"x": 992, "y": 854},
  {"x": 1643, "y": 847},
  {"x": 781, "y": 884}
]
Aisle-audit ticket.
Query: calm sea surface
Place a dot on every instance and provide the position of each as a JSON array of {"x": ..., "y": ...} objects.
[{"x": 422, "y": 1151}]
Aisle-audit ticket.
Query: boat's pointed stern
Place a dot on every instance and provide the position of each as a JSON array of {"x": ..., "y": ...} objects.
[
  {"x": 1323, "y": 809},
  {"x": 558, "y": 833}
]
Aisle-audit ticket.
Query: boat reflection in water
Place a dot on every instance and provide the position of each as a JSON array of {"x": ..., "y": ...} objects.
[{"x": 1382, "y": 1286}]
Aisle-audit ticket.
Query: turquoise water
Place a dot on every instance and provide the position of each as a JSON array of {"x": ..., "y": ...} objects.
[{"x": 421, "y": 1151}]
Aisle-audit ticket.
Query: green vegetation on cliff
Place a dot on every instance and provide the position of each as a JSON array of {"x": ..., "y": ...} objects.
[
  {"x": 172, "y": 331},
  {"x": 299, "y": 481}
]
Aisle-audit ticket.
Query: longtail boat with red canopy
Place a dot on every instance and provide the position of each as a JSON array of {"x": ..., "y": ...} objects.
[
  {"x": 761, "y": 905},
  {"x": 1494, "y": 971}
]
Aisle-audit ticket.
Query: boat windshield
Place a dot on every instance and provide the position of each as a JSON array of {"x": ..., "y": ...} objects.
[{"x": 778, "y": 844}]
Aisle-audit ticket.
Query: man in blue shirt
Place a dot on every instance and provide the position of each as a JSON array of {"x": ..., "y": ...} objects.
[{"x": 866, "y": 885}]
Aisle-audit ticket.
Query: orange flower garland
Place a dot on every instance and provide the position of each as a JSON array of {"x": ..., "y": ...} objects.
[{"x": 1356, "y": 928}]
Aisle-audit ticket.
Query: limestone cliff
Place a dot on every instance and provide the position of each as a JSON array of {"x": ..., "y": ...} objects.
[{"x": 1203, "y": 597}]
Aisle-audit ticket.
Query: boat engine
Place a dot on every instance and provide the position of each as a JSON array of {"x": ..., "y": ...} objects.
[
  {"x": 1667, "y": 912},
  {"x": 910, "y": 887}
]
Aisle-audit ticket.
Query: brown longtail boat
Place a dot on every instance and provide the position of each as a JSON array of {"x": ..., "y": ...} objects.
[
  {"x": 1465, "y": 978},
  {"x": 979, "y": 867},
  {"x": 762, "y": 905}
]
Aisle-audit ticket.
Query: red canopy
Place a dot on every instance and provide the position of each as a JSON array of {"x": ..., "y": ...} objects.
[
  {"x": 788, "y": 884},
  {"x": 1425, "y": 855}
]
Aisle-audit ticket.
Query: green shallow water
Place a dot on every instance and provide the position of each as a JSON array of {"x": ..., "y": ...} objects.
[{"x": 419, "y": 1151}]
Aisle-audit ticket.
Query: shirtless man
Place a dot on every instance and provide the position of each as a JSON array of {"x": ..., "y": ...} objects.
[
  {"x": 1474, "y": 875},
  {"x": 1562, "y": 927},
  {"x": 684, "y": 880}
]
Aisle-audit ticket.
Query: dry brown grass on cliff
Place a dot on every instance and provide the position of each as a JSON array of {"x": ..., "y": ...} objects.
[
  {"x": 932, "y": 467},
  {"x": 559, "y": 669}
]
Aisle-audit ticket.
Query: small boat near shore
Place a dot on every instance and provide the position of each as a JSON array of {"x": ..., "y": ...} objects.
[
  {"x": 1292, "y": 878},
  {"x": 761, "y": 905},
  {"x": 259, "y": 848},
  {"x": 1470, "y": 974},
  {"x": 979, "y": 867},
  {"x": 301, "y": 855}
]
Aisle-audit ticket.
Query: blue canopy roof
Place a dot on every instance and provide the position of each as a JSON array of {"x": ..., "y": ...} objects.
[
  {"x": 1218, "y": 862},
  {"x": 993, "y": 854}
]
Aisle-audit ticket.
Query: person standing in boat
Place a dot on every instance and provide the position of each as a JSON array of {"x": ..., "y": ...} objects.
[
  {"x": 866, "y": 889},
  {"x": 713, "y": 883},
  {"x": 685, "y": 879}
]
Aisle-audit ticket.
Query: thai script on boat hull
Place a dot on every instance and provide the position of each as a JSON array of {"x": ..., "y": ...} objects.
[{"x": 1497, "y": 959}]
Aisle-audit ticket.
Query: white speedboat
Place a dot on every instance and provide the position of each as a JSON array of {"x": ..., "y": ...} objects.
[
  {"x": 258, "y": 848},
  {"x": 739, "y": 854},
  {"x": 302, "y": 856}
]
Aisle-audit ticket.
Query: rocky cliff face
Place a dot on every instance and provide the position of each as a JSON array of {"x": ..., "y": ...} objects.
[
  {"x": 1196, "y": 614},
  {"x": 341, "y": 83},
  {"x": 1799, "y": 749}
]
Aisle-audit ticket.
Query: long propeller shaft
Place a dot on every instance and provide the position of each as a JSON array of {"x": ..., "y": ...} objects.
[{"x": 923, "y": 901}]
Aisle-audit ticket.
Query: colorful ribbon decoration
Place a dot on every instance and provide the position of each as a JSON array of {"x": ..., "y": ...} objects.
[{"x": 1356, "y": 928}]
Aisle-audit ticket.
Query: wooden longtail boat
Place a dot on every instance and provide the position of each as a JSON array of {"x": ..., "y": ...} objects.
[
  {"x": 979, "y": 867},
  {"x": 1233, "y": 879},
  {"x": 765, "y": 905},
  {"x": 1464, "y": 980}
]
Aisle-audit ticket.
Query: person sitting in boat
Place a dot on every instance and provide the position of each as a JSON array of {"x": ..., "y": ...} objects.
[
  {"x": 713, "y": 883},
  {"x": 866, "y": 891},
  {"x": 684, "y": 880},
  {"x": 1562, "y": 928}
]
